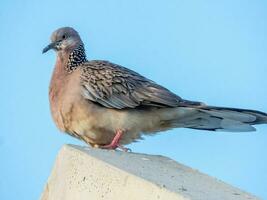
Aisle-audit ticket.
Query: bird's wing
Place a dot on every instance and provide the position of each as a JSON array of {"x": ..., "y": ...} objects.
[{"x": 114, "y": 86}]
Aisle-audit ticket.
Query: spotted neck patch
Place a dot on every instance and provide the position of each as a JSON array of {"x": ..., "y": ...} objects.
[{"x": 76, "y": 58}]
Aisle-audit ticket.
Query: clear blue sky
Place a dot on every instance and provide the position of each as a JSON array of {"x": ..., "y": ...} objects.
[{"x": 211, "y": 51}]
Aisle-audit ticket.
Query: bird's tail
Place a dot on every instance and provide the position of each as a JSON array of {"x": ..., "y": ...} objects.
[{"x": 213, "y": 118}]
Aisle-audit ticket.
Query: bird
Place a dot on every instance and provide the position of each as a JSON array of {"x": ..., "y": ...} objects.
[{"x": 109, "y": 106}]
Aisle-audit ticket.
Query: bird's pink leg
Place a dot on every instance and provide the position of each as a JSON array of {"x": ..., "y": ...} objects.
[{"x": 115, "y": 142}]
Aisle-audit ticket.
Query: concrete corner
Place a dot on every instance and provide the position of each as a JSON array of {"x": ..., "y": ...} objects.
[{"x": 84, "y": 173}]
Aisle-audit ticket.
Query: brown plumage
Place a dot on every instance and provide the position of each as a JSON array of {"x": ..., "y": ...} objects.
[{"x": 96, "y": 100}]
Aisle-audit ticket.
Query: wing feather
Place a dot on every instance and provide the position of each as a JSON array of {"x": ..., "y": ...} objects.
[{"x": 114, "y": 86}]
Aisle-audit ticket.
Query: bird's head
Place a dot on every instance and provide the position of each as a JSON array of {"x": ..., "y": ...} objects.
[{"x": 64, "y": 39}]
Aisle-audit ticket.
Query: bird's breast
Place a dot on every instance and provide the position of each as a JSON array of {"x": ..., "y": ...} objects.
[{"x": 64, "y": 93}]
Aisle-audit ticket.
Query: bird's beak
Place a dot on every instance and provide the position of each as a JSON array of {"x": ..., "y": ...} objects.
[{"x": 52, "y": 45}]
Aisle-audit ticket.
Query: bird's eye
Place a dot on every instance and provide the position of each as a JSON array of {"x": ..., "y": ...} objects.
[{"x": 63, "y": 36}]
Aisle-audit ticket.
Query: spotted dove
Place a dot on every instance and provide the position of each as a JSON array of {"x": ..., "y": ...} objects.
[{"x": 107, "y": 105}]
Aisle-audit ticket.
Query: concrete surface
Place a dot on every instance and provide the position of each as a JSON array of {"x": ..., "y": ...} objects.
[{"x": 84, "y": 173}]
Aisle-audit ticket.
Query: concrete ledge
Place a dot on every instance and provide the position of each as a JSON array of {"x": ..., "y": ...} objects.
[{"x": 84, "y": 173}]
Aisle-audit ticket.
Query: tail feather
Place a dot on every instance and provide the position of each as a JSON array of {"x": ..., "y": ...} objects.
[
  {"x": 260, "y": 117},
  {"x": 225, "y": 119}
]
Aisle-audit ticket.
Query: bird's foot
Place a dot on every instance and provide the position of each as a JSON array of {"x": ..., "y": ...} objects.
[
  {"x": 125, "y": 149},
  {"x": 115, "y": 143}
]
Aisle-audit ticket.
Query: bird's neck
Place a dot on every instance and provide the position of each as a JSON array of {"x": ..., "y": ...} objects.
[{"x": 75, "y": 58}]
